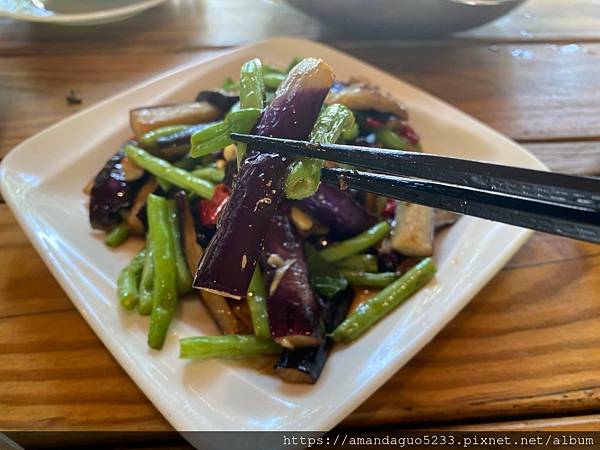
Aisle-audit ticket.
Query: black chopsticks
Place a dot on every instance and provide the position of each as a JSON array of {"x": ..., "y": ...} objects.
[{"x": 544, "y": 201}]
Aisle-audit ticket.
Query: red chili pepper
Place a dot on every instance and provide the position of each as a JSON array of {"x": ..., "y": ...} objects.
[
  {"x": 409, "y": 133},
  {"x": 389, "y": 209},
  {"x": 374, "y": 123},
  {"x": 210, "y": 209}
]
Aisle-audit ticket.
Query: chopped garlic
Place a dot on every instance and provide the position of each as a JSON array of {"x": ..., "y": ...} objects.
[
  {"x": 302, "y": 220},
  {"x": 230, "y": 152}
]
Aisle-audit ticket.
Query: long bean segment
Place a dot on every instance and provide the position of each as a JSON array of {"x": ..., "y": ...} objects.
[
  {"x": 182, "y": 271},
  {"x": 305, "y": 173},
  {"x": 228, "y": 346},
  {"x": 356, "y": 244},
  {"x": 149, "y": 138},
  {"x": 162, "y": 169},
  {"x": 216, "y": 137},
  {"x": 391, "y": 139},
  {"x": 362, "y": 263},
  {"x": 252, "y": 94},
  {"x": 118, "y": 235},
  {"x": 164, "y": 293},
  {"x": 129, "y": 278},
  {"x": 146, "y": 281},
  {"x": 211, "y": 174},
  {"x": 252, "y": 85},
  {"x": 257, "y": 302},
  {"x": 369, "y": 279},
  {"x": 367, "y": 314}
]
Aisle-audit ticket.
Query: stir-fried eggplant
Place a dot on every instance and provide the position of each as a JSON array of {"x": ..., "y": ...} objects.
[
  {"x": 192, "y": 250},
  {"x": 113, "y": 192},
  {"x": 413, "y": 232},
  {"x": 304, "y": 365},
  {"x": 300, "y": 295},
  {"x": 364, "y": 97},
  {"x": 222, "y": 99},
  {"x": 444, "y": 218},
  {"x": 231, "y": 256},
  {"x": 293, "y": 307},
  {"x": 177, "y": 144},
  {"x": 337, "y": 210},
  {"x": 226, "y": 316},
  {"x": 388, "y": 259},
  {"x": 221, "y": 313},
  {"x": 146, "y": 119}
]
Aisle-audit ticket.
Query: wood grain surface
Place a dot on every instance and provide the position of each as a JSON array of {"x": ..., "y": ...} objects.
[{"x": 522, "y": 355}]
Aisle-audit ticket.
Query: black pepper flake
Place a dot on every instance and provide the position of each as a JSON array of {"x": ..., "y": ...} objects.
[{"x": 73, "y": 99}]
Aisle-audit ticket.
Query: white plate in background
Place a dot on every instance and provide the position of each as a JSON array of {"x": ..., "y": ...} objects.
[
  {"x": 74, "y": 12},
  {"x": 42, "y": 181}
]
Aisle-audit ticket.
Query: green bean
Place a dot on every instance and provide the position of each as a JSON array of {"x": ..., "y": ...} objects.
[
  {"x": 375, "y": 308},
  {"x": 356, "y": 244},
  {"x": 257, "y": 303},
  {"x": 230, "y": 85},
  {"x": 208, "y": 140},
  {"x": 149, "y": 138},
  {"x": 211, "y": 174},
  {"x": 162, "y": 169},
  {"x": 118, "y": 235},
  {"x": 363, "y": 263},
  {"x": 369, "y": 279},
  {"x": 129, "y": 277},
  {"x": 252, "y": 86},
  {"x": 270, "y": 69},
  {"x": 146, "y": 281},
  {"x": 252, "y": 94},
  {"x": 182, "y": 271},
  {"x": 305, "y": 173},
  {"x": 390, "y": 139},
  {"x": 273, "y": 80},
  {"x": 350, "y": 134},
  {"x": 229, "y": 346},
  {"x": 216, "y": 137},
  {"x": 164, "y": 292}
]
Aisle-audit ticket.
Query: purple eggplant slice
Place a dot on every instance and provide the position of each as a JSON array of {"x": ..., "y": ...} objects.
[
  {"x": 338, "y": 210},
  {"x": 146, "y": 119},
  {"x": 363, "y": 96},
  {"x": 304, "y": 365},
  {"x": 293, "y": 307},
  {"x": 112, "y": 194},
  {"x": 230, "y": 258},
  {"x": 177, "y": 144}
]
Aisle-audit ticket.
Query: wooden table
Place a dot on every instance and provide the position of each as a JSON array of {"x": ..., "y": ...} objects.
[{"x": 525, "y": 353}]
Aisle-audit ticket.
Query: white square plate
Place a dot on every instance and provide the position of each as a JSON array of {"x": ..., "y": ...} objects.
[{"x": 42, "y": 181}]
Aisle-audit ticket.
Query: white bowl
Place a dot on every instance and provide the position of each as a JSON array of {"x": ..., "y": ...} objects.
[{"x": 405, "y": 17}]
